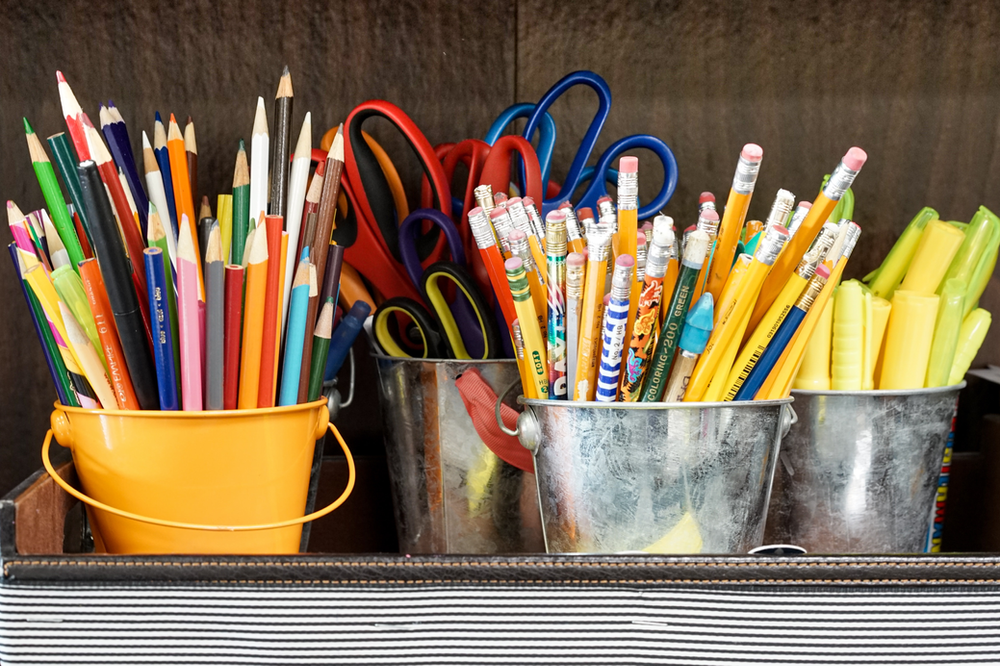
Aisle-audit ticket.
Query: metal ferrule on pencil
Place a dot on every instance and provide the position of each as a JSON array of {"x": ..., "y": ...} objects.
[
  {"x": 781, "y": 208},
  {"x": 628, "y": 190},
  {"x": 640, "y": 262},
  {"x": 851, "y": 241},
  {"x": 481, "y": 229},
  {"x": 797, "y": 217},
  {"x": 502, "y": 224},
  {"x": 621, "y": 283},
  {"x": 572, "y": 224},
  {"x": 598, "y": 244},
  {"x": 809, "y": 294},
  {"x": 519, "y": 217},
  {"x": 484, "y": 198},
  {"x": 519, "y": 248},
  {"x": 518, "y": 340},
  {"x": 555, "y": 235},
  {"x": 745, "y": 177},
  {"x": 537, "y": 226},
  {"x": 657, "y": 259},
  {"x": 574, "y": 281},
  {"x": 709, "y": 226},
  {"x": 817, "y": 252},
  {"x": 840, "y": 180},
  {"x": 770, "y": 246},
  {"x": 605, "y": 208}
]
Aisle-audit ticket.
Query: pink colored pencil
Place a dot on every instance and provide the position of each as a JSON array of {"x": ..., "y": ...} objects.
[{"x": 189, "y": 321}]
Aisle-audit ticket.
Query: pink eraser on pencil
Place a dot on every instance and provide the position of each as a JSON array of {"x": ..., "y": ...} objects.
[
  {"x": 822, "y": 271},
  {"x": 855, "y": 158},
  {"x": 805, "y": 204},
  {"x": 475, "y": 211},
  {"x": 527, "y": 201},
  {"x": 511, "y": 202},
  {"x": 512, "y": 264},
  {"x": 706, "y": 196},
  {"x": 710, "y": 215},
  {"x": 565, "y": 204},
  {"x": 604, "y": 198},
  {"x": 640, "y": 238},
  {"x": 628, "y": 164},
  {"x": 780, "y": 230},
  {"x": 585, "y": 213},
  {"x": 607, "y": 300},
  {"x": 625, "y": 261},
  {"x": 575, "y": 259},
  {"x": 752, "y": 152},
  {"x": 516, "y": 235},
  {"x": 558, "y": 215},
  {"x": 498, "y": 212}
]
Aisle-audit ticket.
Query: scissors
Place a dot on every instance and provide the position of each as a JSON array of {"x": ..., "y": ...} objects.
[
  {"x": 546, "y": 138},
  {"x": 578, "y": 173},
  {"x": 448, "y": 335},
  {"x": 369, "y": 230}
]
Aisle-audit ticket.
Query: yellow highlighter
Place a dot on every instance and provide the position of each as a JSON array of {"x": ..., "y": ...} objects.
[
  {"x": 847, "y": 357},
  {"x": 814, "y": 372},
  {"x": 886, "y": 278},
  {"x": 970, "y": 339},
  {"x": 534, "y": 346},
  {"x": 938, "y": 246},
  {"x": 908, "y": 340},
  {"x": 880, "y": 320},
  {"x": 946, "y": 332},
  {"x": 735, "y": 310},
  {"x": 868, "y": 357}
]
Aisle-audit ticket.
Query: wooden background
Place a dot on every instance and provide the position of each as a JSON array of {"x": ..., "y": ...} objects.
[{"x": 917, "y": 84}]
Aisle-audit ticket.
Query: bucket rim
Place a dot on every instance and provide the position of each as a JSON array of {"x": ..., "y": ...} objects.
[
  {"x": 180, "y": 414},
  {"x": 880, "y": 393},
  {"x": 741, "y": 404},
  {"x": 447, "y": 361}
]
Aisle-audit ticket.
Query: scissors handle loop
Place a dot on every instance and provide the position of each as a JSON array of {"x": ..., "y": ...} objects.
[
  {"x": 409, "y": 232},
  {"x": 586, "y": 148},
  {"x": 598, "y": 187},
  {"x": 485, "y": 323},
  {"x": 433, "y": 344},
  {"x": 496, "y": 170},
  {"x": 546, "y": 137}
]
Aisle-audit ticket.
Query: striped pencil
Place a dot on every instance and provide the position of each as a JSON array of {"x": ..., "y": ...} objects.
[{"x": 614, "y": 329}]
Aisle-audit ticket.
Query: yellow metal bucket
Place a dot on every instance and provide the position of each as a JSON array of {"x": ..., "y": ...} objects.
[{"x": 223, "y": 482}]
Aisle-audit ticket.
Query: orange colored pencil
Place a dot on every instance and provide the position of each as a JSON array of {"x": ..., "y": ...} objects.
[
  {"x": 272, "y": 311},
  {"x": 93, "y": 286},
  {"x": 183, "y": 199},
  {"x": 253, "y": 321}
]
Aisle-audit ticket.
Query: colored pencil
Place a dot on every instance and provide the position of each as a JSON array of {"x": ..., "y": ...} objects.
[
  {"x": 292, "y": 369},
  {"x": 57, "y": 251},
  {"x": 81, "y": 234},
  {"x": 307, "y": 346},
  {"x": 57, "y": 369},
  {"x": 182, "y": 191},
  {"x": 121, "y": 293},
  {"x": 87, "y": 356},
  {"x": 191, "y": 155},
  {"x": 163, "y": 343},
  {"x": 189, "y": 324},
  {"x": 241, "y": 205},
  {"x": 259, "y": 162},
  {"x": 296, "y": 201},
  {"x": 205, "y": 226},
  {"x": 116, "y": 133},
  {"x": 310, "y": 232},
  {"x": 224, "y": 213},
  {"x": 69, "y": 287},
  {"x": 214, "y": 316},
  {"x": 97, "y": 297},
  {"x": 233, "y": 324},
  {"x": 158, "y": 201},
  {"x": 272, "y": 311},
  {"x": 66, "y": 161},
  {"x": 42, "y": 288},
  {"x": 320, "y": 349},
  {"x": 311, "y": 207},
  {"x": 282, "y": 137},
  {"x": 163, "y": 159},
  {"x": 253, "y": 320},
  {"x": 158, "y": 237},
  {"x": 46, "y": 177},
  {"x": 328, "y": 205},
  {"x": 278, "y": 341},
  {"x": 74, "y": 118}
]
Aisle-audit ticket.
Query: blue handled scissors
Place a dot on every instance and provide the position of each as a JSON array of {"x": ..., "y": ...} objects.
[
  {"x": 462, "y": 328},
  {"x": 578, "y": 173},
  {"x": 546, "y": 138}
]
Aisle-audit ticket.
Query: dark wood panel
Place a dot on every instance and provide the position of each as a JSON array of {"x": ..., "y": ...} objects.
[
  {"x": 914, "y": 83},
  {"x": 211, "y": 60}
]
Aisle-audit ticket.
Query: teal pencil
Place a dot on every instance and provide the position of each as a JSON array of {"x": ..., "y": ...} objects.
[{"x": 296, "y": 334}]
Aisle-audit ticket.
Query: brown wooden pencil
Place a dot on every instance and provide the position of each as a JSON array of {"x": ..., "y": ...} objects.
[
  {"x": 326, "y": 215},
  {"x": 281, "y": 147},
  {"x": 191, "y": 152}
]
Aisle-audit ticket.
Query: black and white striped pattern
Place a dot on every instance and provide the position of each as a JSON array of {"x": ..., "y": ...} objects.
[{"x": 496, "y": 624}]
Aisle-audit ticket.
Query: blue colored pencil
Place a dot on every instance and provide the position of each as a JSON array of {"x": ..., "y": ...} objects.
[
  {"x": 58, "y": 376},
  {"x": 163, "y": 159},
  {"x": 297, "y": 315},
  {"x": 614, "y": 330},
  {"x": 163, "y": 343},
  {"x": 116, "y": 134}
]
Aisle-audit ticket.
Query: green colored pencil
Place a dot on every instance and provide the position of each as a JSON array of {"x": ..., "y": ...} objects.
[
  {"x": 66, "y": 160},
  {"x": 241, "y": 205},
  {"x": 321, "y": 347},
  {"x": 680, "y": 302}
]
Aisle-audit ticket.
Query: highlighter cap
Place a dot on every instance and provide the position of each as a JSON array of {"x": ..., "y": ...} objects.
[
  {"x": 698, "y": 325},
  {"x": 359, "y": 311}
]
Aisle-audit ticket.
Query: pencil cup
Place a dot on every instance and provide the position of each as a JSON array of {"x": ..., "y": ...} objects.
[
  {"x": 653, "y": 477},
  {"x": 225, "y": 482},
  {"x": 459, "y": 484},
  {"x": 859, "y": 471}
]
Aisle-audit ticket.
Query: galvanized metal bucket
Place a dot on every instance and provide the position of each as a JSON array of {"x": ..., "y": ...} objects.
[
  {"x": 451, "y": 493},
  {"x": 859, "y": 471},
  {"x": 653, "y": 477}
]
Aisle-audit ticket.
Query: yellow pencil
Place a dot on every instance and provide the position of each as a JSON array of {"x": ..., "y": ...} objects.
[
  {"x": 534, "y": 346},
  {"x": 628, "y": 226},
  {"x": 588, "y": 348}
]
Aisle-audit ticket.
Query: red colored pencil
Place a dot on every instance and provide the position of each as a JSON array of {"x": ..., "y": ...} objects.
[
  {"x": 74, "y": 118},
  {"x": 232, "y": 325},
  {"x": 88, "y": 253},
  {"x": 272, "y": 311}
]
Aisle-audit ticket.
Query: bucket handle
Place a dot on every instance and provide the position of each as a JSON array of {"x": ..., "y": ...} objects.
[
  {"x": 209, "y": 528},
  {"x": 504, "y": 429}
]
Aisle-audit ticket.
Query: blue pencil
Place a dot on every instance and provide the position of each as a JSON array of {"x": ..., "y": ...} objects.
[
  {"x": 614, "y": 330},
  {"x": 163, "y": 159},
  {"x": 34, "y": 307},
  {"x": 163, "y": 343},
  {"x": 297, "y": 315}
]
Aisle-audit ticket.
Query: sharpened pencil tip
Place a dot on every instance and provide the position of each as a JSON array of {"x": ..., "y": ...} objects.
[
  {"x": 284, "y": 72},
  {"x": 59, "y": 77},
  {"x": 243, "y": 146},
  {"x": 158, "y": 118},
  {"x": 188, "y": 121},
  {"x": 27, "y": 127},
  {"x": 173, "y": 121}
]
